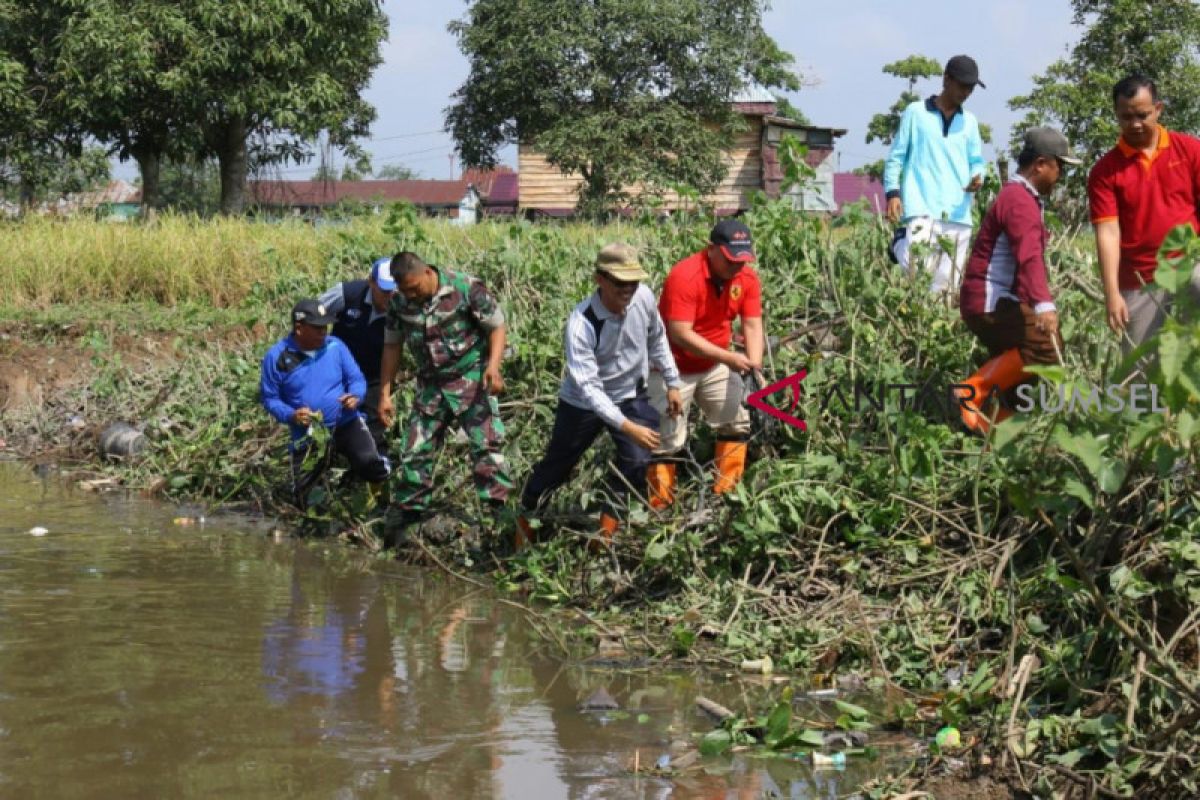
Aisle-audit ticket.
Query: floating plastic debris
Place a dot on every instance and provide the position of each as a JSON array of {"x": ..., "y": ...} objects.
[
  {"x": 832, "y": 761},
  {"x": 763, "y": 666},
  {"x": 948, "y": 737}
]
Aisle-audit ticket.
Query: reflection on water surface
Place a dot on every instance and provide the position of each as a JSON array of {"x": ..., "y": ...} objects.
[{"x": 143, "y": 659}]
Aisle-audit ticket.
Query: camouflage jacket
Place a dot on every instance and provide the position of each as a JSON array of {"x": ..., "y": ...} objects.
[{"x": 447, "y": 335}]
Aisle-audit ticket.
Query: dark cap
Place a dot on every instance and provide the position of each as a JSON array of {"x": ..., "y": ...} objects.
[
  {"x": 1048, "y": 143},
  {"x": 312, "y": 313},
  {"x": 964, "y": 70},
  {"x": 733, "y": 237}
]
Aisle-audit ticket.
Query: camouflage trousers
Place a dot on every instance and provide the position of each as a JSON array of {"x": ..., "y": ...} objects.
[{"x": 437, "y": 409}]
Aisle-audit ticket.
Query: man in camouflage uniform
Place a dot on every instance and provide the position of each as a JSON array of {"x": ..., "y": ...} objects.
[{"x": 455, "y": 331}]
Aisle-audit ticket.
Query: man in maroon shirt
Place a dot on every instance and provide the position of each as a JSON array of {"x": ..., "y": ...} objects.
[
  {"x": 1005, "y": 299},
  {"x": 1141, "y": 189}
]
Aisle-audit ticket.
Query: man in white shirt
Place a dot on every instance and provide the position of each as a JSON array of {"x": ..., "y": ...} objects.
[{"x": 612, "y": 340}]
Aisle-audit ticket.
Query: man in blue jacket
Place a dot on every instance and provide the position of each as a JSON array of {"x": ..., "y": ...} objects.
[
  {"x": 310, "y": 376},
  {"x": 930, "y": 176}
]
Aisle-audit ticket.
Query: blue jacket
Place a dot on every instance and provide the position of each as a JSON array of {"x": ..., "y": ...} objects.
[
  {"x": 931, "y": 163},
  {"x": 292, "y": 380}
]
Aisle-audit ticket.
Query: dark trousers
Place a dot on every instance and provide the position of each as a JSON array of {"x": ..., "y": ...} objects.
[
  {"x": 575, "y": 429},
  {"x": 1014, "y": 325},
  {"x": 352, "y": 440},
  {"x": 370, "y": 407}
]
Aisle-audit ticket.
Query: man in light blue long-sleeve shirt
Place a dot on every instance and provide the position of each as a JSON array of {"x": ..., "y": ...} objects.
[
  {"x": 612, "y": 340},
  {"x": 931, "y": 173}
]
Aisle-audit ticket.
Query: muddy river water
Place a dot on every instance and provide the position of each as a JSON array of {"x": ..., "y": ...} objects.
[{"x": 140, "y": 658}]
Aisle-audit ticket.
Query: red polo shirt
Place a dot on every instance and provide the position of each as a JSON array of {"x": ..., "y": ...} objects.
[
  {"x": 1147, "y": 196},
  {"x": 692, "y": 294}
]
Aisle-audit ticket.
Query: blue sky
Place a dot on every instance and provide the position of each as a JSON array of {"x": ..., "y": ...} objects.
[{"x": 839, "y": 49}]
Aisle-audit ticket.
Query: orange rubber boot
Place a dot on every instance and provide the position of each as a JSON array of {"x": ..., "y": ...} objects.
[
  {"x": 660, "y": 484},
  {"x": 609, "y": 525},
  {"x": 1002, "y": 372},
  {"x": 731, "y": 463},
  {"x": 524, "y": 535}
]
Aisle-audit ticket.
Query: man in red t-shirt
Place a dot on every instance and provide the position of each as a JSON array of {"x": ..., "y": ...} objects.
[
  {"x": 702, "y": 296},
  {"x": 1141, "y": 189}
]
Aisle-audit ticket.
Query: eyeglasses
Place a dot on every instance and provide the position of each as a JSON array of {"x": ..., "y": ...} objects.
[{"x": 616, "y": 284}]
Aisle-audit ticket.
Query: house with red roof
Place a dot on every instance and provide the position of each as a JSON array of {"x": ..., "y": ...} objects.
[{"x": 477, "y": 193}]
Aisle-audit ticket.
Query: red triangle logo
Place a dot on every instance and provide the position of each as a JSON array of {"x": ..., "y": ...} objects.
[{"x": 793, "y": 382}]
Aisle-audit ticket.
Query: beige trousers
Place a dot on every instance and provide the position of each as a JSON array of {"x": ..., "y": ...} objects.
[{"x": 719, "y": 393}]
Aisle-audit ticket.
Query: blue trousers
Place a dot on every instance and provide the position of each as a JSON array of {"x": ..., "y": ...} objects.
[{"x": 575, "y": 429}]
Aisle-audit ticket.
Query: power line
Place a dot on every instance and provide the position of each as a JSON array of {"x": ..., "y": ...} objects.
[
  {"x": 401, "y": 136},
  {"x": 373, "y": 160},
  {"x": 384, "y": 156}
]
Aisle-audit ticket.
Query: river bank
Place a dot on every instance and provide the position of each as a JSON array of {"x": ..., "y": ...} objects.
[
  {"x": 880, "y": 543},
  {"x": 145, "y": 659}
]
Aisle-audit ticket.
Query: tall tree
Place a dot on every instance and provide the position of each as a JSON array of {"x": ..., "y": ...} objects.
[
  {"x": 882, "y": 127},
  {"x": 1159, "y": 39},
  {"x": 36, "y": 136},
  {"x": 190, "y": 186},
  {"x": 18, "y": 105},
  {"x": 49, "y": 172},
  {"x": 396, "y": 172},
  {"x": 275, "y": 74},
  {"x": 621, "y": 92},
  {"x": 123, "y": 72},
  {"x": 785, "y": 109}
]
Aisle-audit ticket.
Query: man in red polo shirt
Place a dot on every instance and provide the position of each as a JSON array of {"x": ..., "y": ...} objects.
[
  {"x": 702, "y": 296},
  {"x": 1141, "y": 189}
]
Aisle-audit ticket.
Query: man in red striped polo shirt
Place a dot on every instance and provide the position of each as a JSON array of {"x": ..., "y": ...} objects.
[
  {"x": 1141, "y": 189},
  {"x": 1005, "y": 299}
]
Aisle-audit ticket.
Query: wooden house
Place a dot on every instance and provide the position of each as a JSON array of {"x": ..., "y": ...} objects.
[{"x": 752, "y": 161}]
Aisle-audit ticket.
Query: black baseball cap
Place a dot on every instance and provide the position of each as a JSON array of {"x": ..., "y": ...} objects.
[
  {"x": 733, "y": 237},
  {"x": 311, "y": 312},
  {"x": 964, "y": 70}
]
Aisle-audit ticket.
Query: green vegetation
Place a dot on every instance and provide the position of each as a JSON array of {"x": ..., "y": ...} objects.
[
  {"x": 245, "y": 82},
  {"x": 882, "y": 127},
  {"x": 887, "y": 542}
]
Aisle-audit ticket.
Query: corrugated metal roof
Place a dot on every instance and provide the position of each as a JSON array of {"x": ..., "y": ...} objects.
[
  {"x": 504, "y": 189},
  {"x": 753, "y": 93},
  {"x": 850, "y": 188},
  {"x": 117, "y": 191},
  {"x": 484, "y": 180}
]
